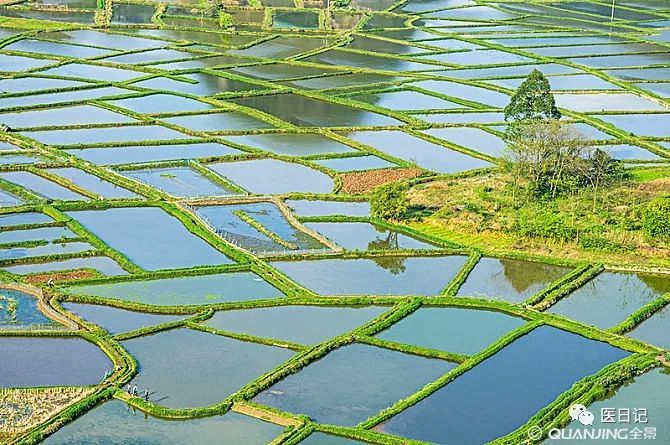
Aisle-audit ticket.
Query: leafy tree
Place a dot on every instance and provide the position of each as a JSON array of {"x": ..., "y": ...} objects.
[
  {"x": 656, "y": 217},
  {"x": 203, "y": 7},
  {"x": 389, "y": 201},
  {"x": 548, "y": 153},
  {"x": 600, "y": 170},
  {"x": 533, "y": 100},
  {"x": 225, "y": 19}
]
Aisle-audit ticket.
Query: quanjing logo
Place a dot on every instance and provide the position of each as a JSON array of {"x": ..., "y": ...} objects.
[
  {"x": 613, "y": 425},
  {"x": 581, "y": 414}
]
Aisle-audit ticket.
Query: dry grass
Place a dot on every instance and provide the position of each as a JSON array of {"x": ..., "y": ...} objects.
[
  {"x": 361, "y": 182},
  {"x": 22, "y": 409},
  {"x": 481, "y": 209},
  {"x": 660, "y": 185},
  {"x": 61, "y": 276}
]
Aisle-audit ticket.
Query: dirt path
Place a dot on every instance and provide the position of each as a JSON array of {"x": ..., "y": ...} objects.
[
  {"x": 249, "y": 410},
  {"x": 42, "y": 304}
]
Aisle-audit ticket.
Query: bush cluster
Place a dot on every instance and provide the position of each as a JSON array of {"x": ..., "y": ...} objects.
[{"x": 656, "y": 218}]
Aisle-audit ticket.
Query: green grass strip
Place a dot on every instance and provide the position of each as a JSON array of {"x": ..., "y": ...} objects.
[
  {"x": 592, "y": 388},
  {"x": 412, "y": 349},
  {"x": 564, "y": 286},
  {"x": 462, "y": 275},
  {"x": 640, "y": 315},
  {"x": 244, "y": 216},
  {"x": 279, "y": 343},
  {"x": 430, "y": 388}
]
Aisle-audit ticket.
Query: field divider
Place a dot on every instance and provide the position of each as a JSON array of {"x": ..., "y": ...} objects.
[
  {"x": 586, "y": 391},
  {"x": 455, "y": 284},
  {"x": 639, "y": 316},
  {"x": 296, "y": 223},
  {"x": 432, "y": 387},
  {"x": 412, "y": 349},
  {"x": 564, "y": 286},
  {"x": 245, "y": 217},
  {"x": 246, "y": 337}
]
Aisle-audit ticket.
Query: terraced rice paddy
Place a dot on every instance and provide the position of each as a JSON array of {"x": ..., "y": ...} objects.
[{"x": 183, "y": 208}]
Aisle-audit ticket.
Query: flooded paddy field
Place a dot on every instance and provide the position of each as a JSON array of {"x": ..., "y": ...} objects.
[{"x": 191, "y": 250}]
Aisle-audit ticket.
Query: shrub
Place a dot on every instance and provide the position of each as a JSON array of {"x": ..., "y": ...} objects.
[
  {"x": 656, "y": 217},
  {"x": 597, "y": 242},
  {"x": 389, "y": 202},
  {"x": 532, "y": 100},
  {"x": 543, "y": 224},
  {"x": 225, "y": 19}
]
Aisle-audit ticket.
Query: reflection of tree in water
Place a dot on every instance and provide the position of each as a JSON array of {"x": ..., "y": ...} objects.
[
  {"x": 658, "y": 284},
  {"x": 394, "y": 264},
  {"x": 389, "y": 243},
  {"x": 640, "y": 288},
  {"x": 624, "y": 291},
  {"x": 521, "y": 275},
  {"x": 304, "y": 111}
]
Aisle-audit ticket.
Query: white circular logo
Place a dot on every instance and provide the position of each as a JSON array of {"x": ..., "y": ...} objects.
[{"x": 581, "y": 414}]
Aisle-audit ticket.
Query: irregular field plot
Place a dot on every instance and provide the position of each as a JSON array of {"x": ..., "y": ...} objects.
[
  {"x": 51, "y": 362},
  {"x": 114, "y": 422},
  {"x": 297, "y": 324},
  {"x": 184, "y": 368},
  {"x": 461, "y": 331},
  {"x": 117, "y": 320},
  {"x": 131, "y": 230},
  {"x": 610, "y": 297},
  {"x": 366, "y": 236},
  {"x": 270, "y": 176},
  {"x": 187, "y": 291},
  {"x": 352, "y": 383},
  {"x": 510, "y": 280},
  {"x": 229, "y": 223},
  {"x": 374, "y": 276},
  {"x": 532, "y": 379}
]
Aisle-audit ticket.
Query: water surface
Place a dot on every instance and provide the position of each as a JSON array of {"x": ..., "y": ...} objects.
[
  {"x": 390, "y": 275},
  {"x": 47, "y": 361},
  {"x": 461, "y": 331},
  {"x": 508, "y": 279},
  {"x": 132, "y": 231},
  {"x": 115, "y": 320},
  {"x": 186, "y": 291},
  {"x": 366, "y": 236},
  {"x": 114, "y": 422},
  {"x": 610, "y": 297},
  {"x": 179, "y": 181},
  {"x": 25, "y": 312},
  {"x": 503, "y": 392},
  {"x": 271, "y": 176},
  {"x": 646, "y": 391},
  {"x": 352, "y": 383},
  {"x": 184, "y": 368},
  {"x": 298, "y": 324}
]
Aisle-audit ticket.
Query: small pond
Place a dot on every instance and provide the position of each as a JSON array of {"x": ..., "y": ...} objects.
[
  {"x": 352, "y": 383},
  {"x": 390, "y": 275},
  {"x": 298, "y": 324},
  {"x": 187, "y": 291},
  {"x": 183, "y": 368}
]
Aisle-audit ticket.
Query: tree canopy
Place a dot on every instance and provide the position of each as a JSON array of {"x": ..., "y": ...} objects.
[
  {"x": 389, "y": 201},
  {"x": 656, "y": 218},
  {"x": 555, "y": 158},
  {"x": 532, "y": 100}
]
